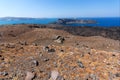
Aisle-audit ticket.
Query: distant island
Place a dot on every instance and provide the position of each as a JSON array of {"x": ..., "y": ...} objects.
[
  {"x": 17, "y": 18},
  {"x": 74, "y": 21}
]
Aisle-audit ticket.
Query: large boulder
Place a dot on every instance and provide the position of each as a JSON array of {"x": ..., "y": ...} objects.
[{"x": 59, "y": 39}]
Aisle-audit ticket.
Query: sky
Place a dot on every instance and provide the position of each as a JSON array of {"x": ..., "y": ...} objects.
[{"x": 59, "y": 8}]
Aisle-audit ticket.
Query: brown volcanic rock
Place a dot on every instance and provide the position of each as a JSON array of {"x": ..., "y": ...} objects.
[
  {"x": 78, "y": 58},
  {"x": 112, "y": 33},
  {"x": 45, "y": 36},
  {"x": 97, "y": 62}
]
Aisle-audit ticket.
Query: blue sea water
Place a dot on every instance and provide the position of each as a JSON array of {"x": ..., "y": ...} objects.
[
  {"x": 101, "y": 22},
  {"x": 27, "y": 21}
]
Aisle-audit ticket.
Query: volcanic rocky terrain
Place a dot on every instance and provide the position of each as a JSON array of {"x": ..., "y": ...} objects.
[{"x": 54, "y": 52}]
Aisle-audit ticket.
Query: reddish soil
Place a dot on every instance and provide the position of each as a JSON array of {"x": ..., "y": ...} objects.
[{"x": 77, "y": 58}]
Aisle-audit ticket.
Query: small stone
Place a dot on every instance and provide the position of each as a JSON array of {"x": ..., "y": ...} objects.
[
  {"x": 89, "y": 53},
  {"x": 46, "y": 48},
  {"x": 55, "y": 64},
  {"x": 40, "y": 55},
  {"x": 80, "y": 64},
  {"x": 118, "y": 62},
  {"x": 117, "y": 74},
  {"x": 59, "y": 39},
  {"x": 34, "y": 44},
  {"x": 29, "y": 76},
  {"x": 1, "y": 57},
  {"x": 35, "y": 62},
  {"x": 19, "y": 48},
  {"x": 77, "y": 44},
  {"x": 113, "y": 54},
  {"x": 10, "y": 45},
  {"x": 23, "y": 42},
  {"x": 111, "y": 76},
  {"x": 94, "y": 77},
  {"x": 62, "y": 50},
  {"x": 4, "y": 73},
  {"x": 91, "y": 77},
  {"x": 46, "y": 59},
  {"x": 3, "y": 63},
  {"x": 51, "y": 50},
  {"x": 56, "y": 37},
  {"x": 55, "y": 75}
]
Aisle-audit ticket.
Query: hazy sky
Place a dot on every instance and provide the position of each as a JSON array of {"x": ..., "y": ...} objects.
[{"x": 59, "y": 8}]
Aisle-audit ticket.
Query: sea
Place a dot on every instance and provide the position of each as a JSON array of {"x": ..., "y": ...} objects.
[{"x": 101, "y": 22}]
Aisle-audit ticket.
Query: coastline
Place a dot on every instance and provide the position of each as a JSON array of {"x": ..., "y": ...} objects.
[{"x": 101, "y": 22}]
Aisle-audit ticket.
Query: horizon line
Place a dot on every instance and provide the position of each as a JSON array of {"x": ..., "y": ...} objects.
[{"x": 60, "y": 17}]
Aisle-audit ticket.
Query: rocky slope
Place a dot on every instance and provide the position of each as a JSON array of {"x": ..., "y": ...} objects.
[
  {"x": 112, "y": 32},
  {"x": 29, "y": 52}
]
